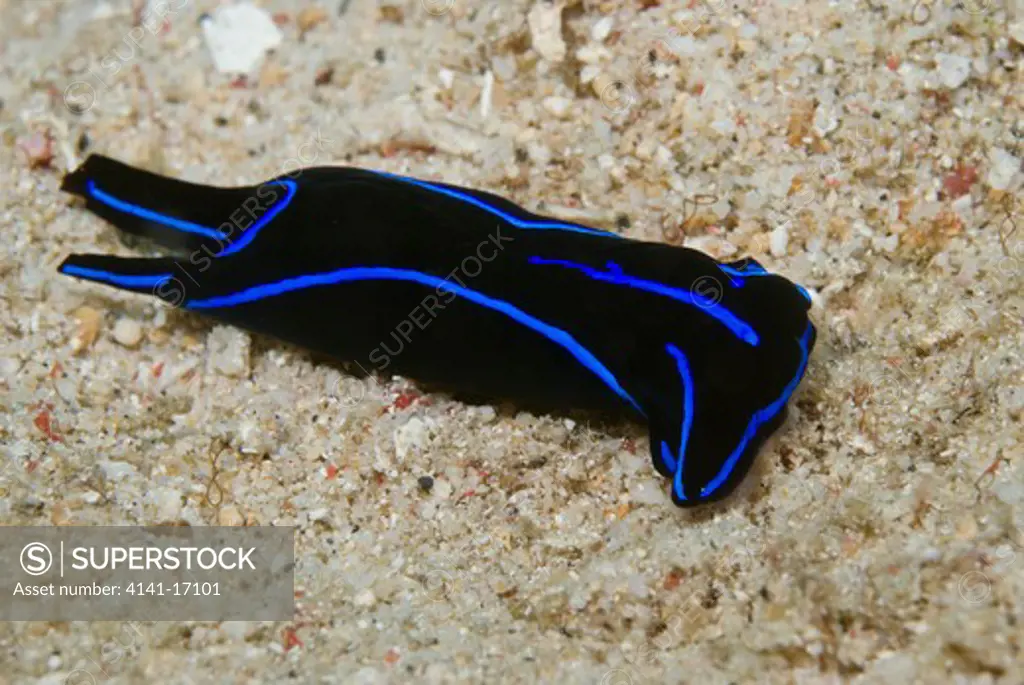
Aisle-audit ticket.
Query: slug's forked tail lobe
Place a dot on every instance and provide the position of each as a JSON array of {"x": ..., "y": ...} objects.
[
  {"x": 174, "y": 214},
  {"x": 157, "y": 276}
]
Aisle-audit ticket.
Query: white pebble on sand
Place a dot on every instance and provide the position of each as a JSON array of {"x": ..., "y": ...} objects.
[
  {"x": 825, "y": 120},
  {"x": 779, "y": 240},
  {"x": 953, "y": 69},
  {"x": 602, "y": 29},
  {"x": 167, "y": 502},
  {"x": 545, "y": 20},
  {"x": 442, "y": 489},
  {"x": 446, "y": 77},
  {"x": 239, "y": 36},
  {"x": 115, "y": 470},
  {"x": 228, "y": 351},
  {"x": 1016, "y": 30},
  {"x": 365, "y": 598},
  {"x": 411, "y": 437},
  {"x": 253, "y": 439},
  {"x": 127, "y": 332},
  {"x": 558, "y": 106},
  {"x": 1002, "y": 170}
]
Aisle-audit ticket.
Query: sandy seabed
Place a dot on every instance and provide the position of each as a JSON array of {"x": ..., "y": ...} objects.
[{"x": 868, "y": 150}]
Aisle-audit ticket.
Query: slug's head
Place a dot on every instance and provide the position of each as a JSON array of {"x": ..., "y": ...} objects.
[{"x": 726, "y": 395}]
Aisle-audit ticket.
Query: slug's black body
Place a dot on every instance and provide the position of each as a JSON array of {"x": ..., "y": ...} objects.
[{"x": 469, "y": 291}]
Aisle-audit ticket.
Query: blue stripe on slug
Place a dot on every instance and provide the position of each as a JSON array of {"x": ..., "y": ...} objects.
[
  {"x": 751, "y": 270},
  {"x": 189, "y": 227},
  {"x": 737, "y": 277},
  {"x": 377, "y": 273},
  {"x": 123, "y": 280},
  {"x": 615, "y": 275},
  {"x": 150, "y": 215},
  {"x": 250, "y": 233},
  {"x": 760, "y": 417},
  {"x": 683, "y": 364},
  {"x": 666, "y": 456},
  {"x": 481, "y": 204}
]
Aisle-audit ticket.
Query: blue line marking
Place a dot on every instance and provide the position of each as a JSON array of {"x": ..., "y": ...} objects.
[
  {"x": 123, "y": 280},
  {"x": 666, "y": 456},
  {"x": 737, "y": 277},
  {"x": 683, "y": 364},
  {"x": 250, "y": 233},
  {"x": 615, "y": 275},
  {"x": 750, "y": 270},
  {"x": 515, "y": 221},
  {"x": 157, "y": 217},
  {"x": 760, "y": 417},
  {"x": 187, "y": 226},
  {"x": 371, "y": 273}
]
